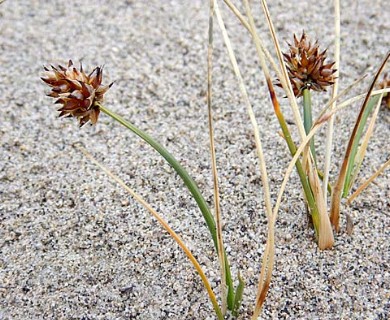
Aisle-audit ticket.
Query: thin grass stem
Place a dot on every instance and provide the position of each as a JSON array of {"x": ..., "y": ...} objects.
[
  {"x": 329, "y": 130},
  {"x": 251, "y": 114},
  {"x": 338, "y": 188},
  {"x": 341, "y": 94},
  {"x": 238, "y": 14},
  {"x": 253, "y": 120},
  {"x": 352, "y": 165},
  {"x": 368, "y": 181},
  {"x": 217, "y": 206},
  {"x": 325, "y": 114},
  {"x": 363, "y": 147},
  {"x": 165, "y": 225},
  {"x": 188, "y": 181},
  {"x": 269, "y": 252},
  {"x": 285, "y": 80},
  {"x": 265, "y": 51}
]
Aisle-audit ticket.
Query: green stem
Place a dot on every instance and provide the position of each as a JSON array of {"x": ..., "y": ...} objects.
[
  {"x": 191, "y": 185},
  {"x": 308, "y": 119},
  {"x": 302, "y": 176}
]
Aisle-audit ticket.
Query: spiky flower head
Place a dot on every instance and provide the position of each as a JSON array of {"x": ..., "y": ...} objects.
[
  {"x": 385, "y": 83},
  {"x": 306, "y": 66},
  {"x": 77, "y": 92}
]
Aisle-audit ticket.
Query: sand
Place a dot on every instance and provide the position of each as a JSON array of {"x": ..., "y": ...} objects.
[{"x": 74, "y": 245}]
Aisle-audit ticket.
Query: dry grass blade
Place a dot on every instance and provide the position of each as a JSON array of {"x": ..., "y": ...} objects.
[
  {"x": 368, "y": 181},
  {"x": 352, "y": 161},
  {"x": 363, "y": 147},
  {"x": 217, "y": 206},
  {"x": 317, "y": 125},
  {"x": 337, "y": 190},
  {"x": 269, "y": 254},
  {"x": 268, "y": 264},
  {"x": 285, "y": 80},
  {"x": 259, "y": 148},
  {"x": 266, "y": 53},
  {"x": 238, "y": 14},
  {"x": 324, "y": 116},
  {"x": 163, "y": 223},
  {"x": 341, "y": 94},
  {"x": 329, "y": 132},
  {"x": 325, "y": 234}
]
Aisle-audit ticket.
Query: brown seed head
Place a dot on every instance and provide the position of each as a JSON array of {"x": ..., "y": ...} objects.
[
  {"x": 306, "y": 66},
  {"x": 385, "y": 83},
  {"x": 77, "y": 92}
]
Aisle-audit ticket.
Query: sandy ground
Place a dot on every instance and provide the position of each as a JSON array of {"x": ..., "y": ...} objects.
[{"x": 73, "y": 245}]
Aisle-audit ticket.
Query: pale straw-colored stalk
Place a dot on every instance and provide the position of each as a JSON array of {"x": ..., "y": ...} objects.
[
  {"x": 329, "y": 132},
  {"x": 267, "y": 54},
  {"x": 269, "y": 252},
  {"x": 238, "y": 14},
  {"x": 164, "y": 224},
  {"x": 368, "y": 181},
  {"x": 342, "y": 93},
  {"x": 363, "y": 146},
  {"x": 285, "y": 80},
  {"x": 338, "y": 188},
  {"x": 217, "y": 207},
  {"x": 268, "y": 257},
  {"x": 244, "y": 93},
  {"x": 342, "y": 105}
]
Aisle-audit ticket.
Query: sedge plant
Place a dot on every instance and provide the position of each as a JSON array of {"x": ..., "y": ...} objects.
[
  {"x": 300, "y": 70},
  {"x": 303, "y": 69},
  {"x": 81, "y": 96}
]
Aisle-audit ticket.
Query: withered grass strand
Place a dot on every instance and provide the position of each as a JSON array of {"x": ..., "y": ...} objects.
[
  {"x": 269, "y": 252},
  {"x": 217, "y": 207},
  {"x": 368, "y": 181},
  {"x": 284, "y": 74},
  {"x": 335, "y": 87},
  {"x": 265, "y": 51},
  {"x": 361, "y": 149},
  {"x": 164, "y": 224},
  {"x": 338, "y": 188}
]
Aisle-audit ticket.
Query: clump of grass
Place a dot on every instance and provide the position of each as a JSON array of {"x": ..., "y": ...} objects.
[{"x": 300, "y": 70}]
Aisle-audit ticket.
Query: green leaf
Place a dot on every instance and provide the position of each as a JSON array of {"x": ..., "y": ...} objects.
[
  {"x": 191, "y": 185},
  {"x": 239, "y": 294},
  {"x": 356, "y": 140}
]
